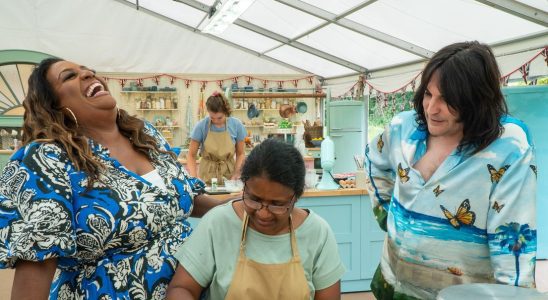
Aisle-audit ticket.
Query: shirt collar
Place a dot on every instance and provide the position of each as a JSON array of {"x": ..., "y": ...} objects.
[{"x": 419, "y": 134}]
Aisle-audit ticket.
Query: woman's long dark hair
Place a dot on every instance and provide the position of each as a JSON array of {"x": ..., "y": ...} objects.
[
  {"x": 44, "y": 121},
  {"x": 469, "y": 82},
  {"x": 276, "y": 161}
]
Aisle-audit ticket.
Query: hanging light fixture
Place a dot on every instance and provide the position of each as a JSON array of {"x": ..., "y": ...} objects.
[{"x": 223, "y": 13}]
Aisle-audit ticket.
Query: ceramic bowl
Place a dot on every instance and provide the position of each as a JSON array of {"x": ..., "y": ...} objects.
[{"x": 302, "y": 107}]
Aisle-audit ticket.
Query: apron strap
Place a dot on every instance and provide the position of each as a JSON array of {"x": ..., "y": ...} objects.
[
  {"x": 244, "y": 232},
  {"x": 294, "y": 250}
]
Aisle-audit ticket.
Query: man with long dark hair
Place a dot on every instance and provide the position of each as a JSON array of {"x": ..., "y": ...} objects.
[{"x": 453, "y": 183}]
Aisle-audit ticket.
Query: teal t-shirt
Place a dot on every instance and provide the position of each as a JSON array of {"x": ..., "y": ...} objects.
[{"x": 211, "y": 252}]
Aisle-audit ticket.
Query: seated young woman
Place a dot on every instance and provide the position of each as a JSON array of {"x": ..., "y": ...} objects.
[{"x": 262, "y": 246}]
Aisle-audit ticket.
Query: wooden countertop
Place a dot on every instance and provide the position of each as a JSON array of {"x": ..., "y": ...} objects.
[
  {"x": 183, "y": 160},
  {"x": 339, "y": 192},
  {"x": 308, "y": 193},
  {"x": 6, "y": 151}
]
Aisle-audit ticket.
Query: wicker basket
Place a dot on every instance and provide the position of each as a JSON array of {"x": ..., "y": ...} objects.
[{"x": 314, "y": 131}]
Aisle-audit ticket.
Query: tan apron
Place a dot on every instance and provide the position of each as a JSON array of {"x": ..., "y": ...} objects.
[
  {"x": 217, "y": 156},
  {"x": 253, "y": 280}
]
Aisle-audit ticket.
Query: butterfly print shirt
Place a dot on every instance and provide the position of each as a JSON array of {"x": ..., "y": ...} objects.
[
  {"x": 114, "y": 241},
  {"x": 474, "y": 220}
]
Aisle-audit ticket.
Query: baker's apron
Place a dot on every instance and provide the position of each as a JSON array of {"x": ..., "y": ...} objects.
[
  {"x": 257, "y": 281},
  {"x": 217, "y": 156}
]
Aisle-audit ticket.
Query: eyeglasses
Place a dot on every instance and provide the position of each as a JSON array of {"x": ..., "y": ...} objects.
[{"x": 275, "y": 209}]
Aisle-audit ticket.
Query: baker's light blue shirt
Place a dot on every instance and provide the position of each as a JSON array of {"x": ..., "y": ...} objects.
[
  {"x": 474, "y": 220},
  {"x": 235, "y": 127}
]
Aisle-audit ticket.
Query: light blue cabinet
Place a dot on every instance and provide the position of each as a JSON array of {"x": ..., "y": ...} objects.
[
  {"x": 343, "y": 215},
  {"x": 358, "y": 236}
]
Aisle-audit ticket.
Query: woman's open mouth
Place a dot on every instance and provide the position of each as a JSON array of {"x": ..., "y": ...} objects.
[{"x": 96, "y": 89}]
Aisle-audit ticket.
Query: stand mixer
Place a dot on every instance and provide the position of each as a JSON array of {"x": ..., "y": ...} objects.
[{"x": 327, "y": 155}]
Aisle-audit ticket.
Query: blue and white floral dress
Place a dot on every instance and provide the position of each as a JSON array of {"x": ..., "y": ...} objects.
[{"x": 113, "y": 241}]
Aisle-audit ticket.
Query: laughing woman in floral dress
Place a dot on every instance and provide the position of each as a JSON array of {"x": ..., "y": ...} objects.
[{"x": 95, "y": 203}]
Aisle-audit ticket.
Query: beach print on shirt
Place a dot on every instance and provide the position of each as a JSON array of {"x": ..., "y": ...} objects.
[
  {"x": 435, "y": 241},
  {"x": 458, "y": 226}
]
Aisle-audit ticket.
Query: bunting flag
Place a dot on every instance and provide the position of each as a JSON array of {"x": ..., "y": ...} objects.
[
  {"x": 248, "y": 79},
  {"x": 524, "y": 70},
  {"x": 504, "y": 80},
  {"x": 220, "y": 83}
]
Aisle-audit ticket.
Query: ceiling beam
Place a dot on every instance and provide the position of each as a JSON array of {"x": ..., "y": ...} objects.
[
  {"x": 520, "y": 10},
  {"x": 190, "y": 28},
  {"x": 281, "y": 39},
  {"x": 532, "y": 42},
  {"x": 298, "y": 45},
  {"x": 340, "y": 20}
]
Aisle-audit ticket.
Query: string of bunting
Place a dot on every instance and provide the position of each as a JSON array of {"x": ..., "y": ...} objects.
[
  {"x": 355, "y": 88},
  {"x": 203, "y": 83}
]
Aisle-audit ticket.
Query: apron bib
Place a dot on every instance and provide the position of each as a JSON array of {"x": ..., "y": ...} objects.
[
  {"x": 257, "y": 281},
  {"x": 217, "y": 156}
]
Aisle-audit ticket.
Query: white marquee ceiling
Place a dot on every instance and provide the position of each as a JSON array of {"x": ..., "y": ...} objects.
[
  {"x": 334, "y": 38},
  {"x": 325, "y": 37}
]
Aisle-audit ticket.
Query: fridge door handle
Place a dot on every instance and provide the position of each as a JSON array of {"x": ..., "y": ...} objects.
[{"x": 336, "y": 135}]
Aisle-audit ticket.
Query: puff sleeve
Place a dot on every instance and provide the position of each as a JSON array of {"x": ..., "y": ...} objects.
[{"x": 36, "y": 212}]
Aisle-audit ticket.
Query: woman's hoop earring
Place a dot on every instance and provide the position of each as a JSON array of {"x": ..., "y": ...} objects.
[{"x": 72, "y": 114}]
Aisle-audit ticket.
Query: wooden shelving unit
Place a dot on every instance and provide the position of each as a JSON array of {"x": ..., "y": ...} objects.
[{"x": 246, "y": 95}]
